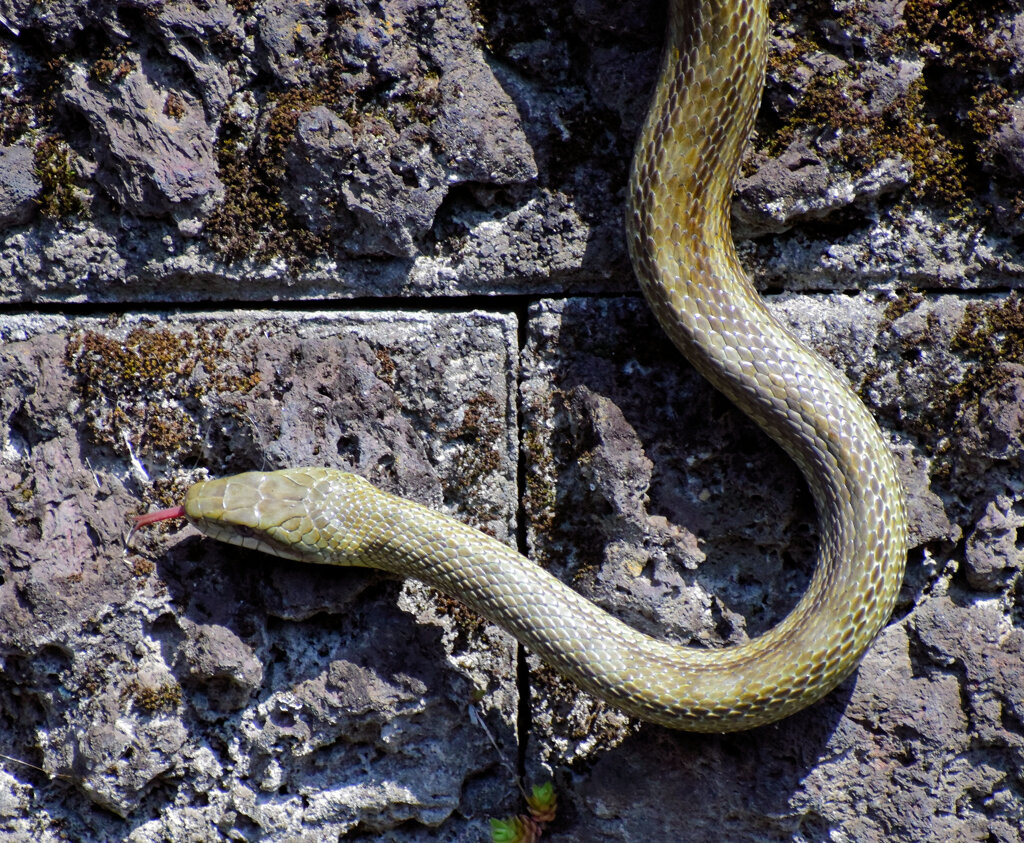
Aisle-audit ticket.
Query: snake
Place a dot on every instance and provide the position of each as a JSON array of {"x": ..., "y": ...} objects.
[{"x": 678, "y": 231}]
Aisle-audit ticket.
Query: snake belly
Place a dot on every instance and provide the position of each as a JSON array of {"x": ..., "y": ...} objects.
[{"x": 680, "y": 241}]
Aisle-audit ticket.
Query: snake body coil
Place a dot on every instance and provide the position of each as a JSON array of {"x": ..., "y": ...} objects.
[{"x": 681, "y": 245}]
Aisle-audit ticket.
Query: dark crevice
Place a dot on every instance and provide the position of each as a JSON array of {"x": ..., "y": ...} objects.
[
  {"x": 524, "y": 713},
  {"x": 519, "y": 304}
]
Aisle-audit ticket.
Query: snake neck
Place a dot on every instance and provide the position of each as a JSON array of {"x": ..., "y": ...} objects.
[{"x": 678, "y": 218}]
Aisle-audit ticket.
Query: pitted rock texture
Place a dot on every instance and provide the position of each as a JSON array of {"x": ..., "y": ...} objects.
[
  {"x": 691, "y": 523},
  {"x": 18, "y": 185},
  {"x": 439, "y": 146},
  {"x": 151, "y": 144},
  {"x": 129, "y": 677}
]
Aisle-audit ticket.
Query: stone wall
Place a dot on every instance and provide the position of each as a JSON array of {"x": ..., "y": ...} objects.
[{"x": 388, "y": 236}]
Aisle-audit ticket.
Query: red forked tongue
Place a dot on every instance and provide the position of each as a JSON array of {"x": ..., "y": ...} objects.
[
  {"x": 152, "y": 518},
  {"x": 159, "y": 515}
]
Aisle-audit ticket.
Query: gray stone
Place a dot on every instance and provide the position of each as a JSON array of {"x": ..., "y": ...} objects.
[
  {"x": 802, "y": 183},
  {"x": 196, "y": 34},
  {"x": 765, "y": 201},
  {"x": 19, "y": 185},
  {"x": 222, "y": 665},
  {"x": 1009, "y": 140},
  {"x": 224, "y": 673},
  {"x": 287, "y": 33},
  {"x": 798, "y": 187},
  {"x": 59, "y": 22},
  {"x": 151, "y": 161},
  {"x": 1007, "y": 144},
  {"x": 993, "y": 552},
  {"x": 379, "y": 190},
  {"x": 496, "y": 152},
  {"x": 540, "y": 57}
]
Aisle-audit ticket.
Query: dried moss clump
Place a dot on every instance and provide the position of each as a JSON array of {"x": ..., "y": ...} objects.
[
  {"x": 860, "y": 139},
  {"x": 993, "y": 335},
  {"x": 54, "y": 167},
  {"x": 482, "y": 432},
  {"x": 254, "y": 222},
  {"x": 174, "y": 106},
  {"x": 990, "y": 341},
  {"x": 942, "y": 124},
  {"x": 27, "y": 96},
  {"x": 141, "y": 393},
  {"x": 112, "y": 65},
  {"x": 153, "y": 699},
  {"x": 902, "y": 303}
]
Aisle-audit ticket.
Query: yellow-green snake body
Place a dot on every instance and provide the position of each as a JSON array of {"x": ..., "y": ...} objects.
[{"x": 680, "y": 241}]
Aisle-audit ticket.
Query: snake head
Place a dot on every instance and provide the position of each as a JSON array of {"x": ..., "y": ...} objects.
[{"x": 286, "y": 513}]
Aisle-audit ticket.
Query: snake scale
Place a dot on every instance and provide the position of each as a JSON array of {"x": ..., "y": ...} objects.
[{"x": 680, "y": 242}]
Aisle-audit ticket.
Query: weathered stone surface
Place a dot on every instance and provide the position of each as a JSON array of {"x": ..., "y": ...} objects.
[
  {"x": 152, "y": 144},
  {"x": 285, "y": 33},
  {"x": 1009, "y": 140},
  {"x": 993, "y": 553},
  {"x": 683, "y": 519},
  {"x": 489, "y": 152},
  {"x": 379, "y": 191},
  {"x": 414, "y": 148},
  {"x": 19, "y": 185},
  {"x": 222, "y": 665},
  {"x": 280, "y": 698},
  {"x": 798, "y": 187}
]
